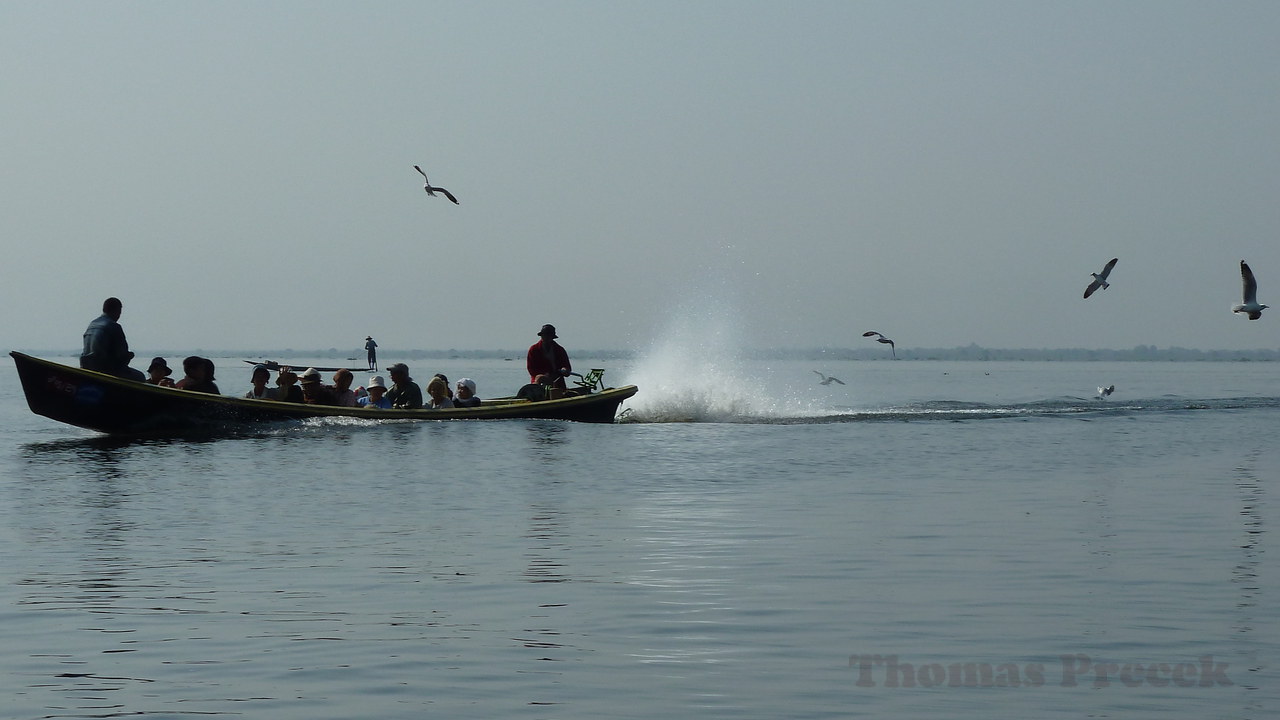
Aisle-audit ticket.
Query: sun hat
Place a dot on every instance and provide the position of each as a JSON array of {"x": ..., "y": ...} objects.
[
  {"x": 377, "y": 381},
  {"x": 310, "y": 375},
  {"x": 548, "y": 331},
  {"x": 468, "y": 383},
  {"x": 261, "y": 367},
  {"x": 160, "y": 363}
]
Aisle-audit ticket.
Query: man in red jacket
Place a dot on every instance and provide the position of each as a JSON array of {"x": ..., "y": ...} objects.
[{"x": 547, "y": 357}]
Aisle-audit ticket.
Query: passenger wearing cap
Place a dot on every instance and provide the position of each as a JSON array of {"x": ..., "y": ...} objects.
[
  {"x": 158, "y": 373},
  {"x": 404, "y": 393},
  {"x": 547, "y": 357},
  {"x": 466, "y": 395},
  {"x": 313, "y": 391},
  {"x": 260, "y": 376},
  {"x": 377, "y": 397}
]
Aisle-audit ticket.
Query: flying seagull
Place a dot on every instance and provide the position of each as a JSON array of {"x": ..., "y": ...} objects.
[
  {"x": 827, "y": 379},
  {"x": 1250, "y": 305},
  {"x": 1100, "y": 279},
  {"x": 1105, "y": 391},
  {"x": 433, "y": 190},
  {"x": 882, "y": 339}
]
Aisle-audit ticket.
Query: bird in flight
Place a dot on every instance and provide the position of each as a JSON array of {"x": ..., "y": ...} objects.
[
  {"x": 827, "y": 379},
  {"x": 882, "y": 339},
  {"x": 1105, "y": 391},
  {"x": 1250, "y": 305},
  {"x": 433, "y": 190},
  {"x": 1100, "y": 279}
]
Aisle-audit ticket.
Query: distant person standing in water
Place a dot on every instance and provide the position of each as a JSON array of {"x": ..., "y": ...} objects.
[
  {"x": 105, "y": 348},
  {"x": 547, "y": 357},
  {"x": 372, "y": 348}
]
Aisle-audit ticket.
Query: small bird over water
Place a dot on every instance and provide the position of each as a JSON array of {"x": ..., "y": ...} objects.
[
  {"x": 827, "y": 379},
  {"x": 882, "y": 339},
  {"x": 1105, "y": 391},
  {"x": 1100, "y": 279},
  {"x": 1250, "y": 305},
  {"x": 433, "y": 190}
]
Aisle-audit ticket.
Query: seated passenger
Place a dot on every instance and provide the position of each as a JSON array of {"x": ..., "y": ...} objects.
[
  {"x": 105, "y": 347},
  {"x": 404, "y": 393},
  {"x": 260, "y": 376},
  {"x": 447, "y": 390},
  {"x": 343, "y": 395},
  {"x": 536, "y": 390},
  {"x": 313, "y": 391},
  {"x": 286, "y": 389},
  {"x": 209, "y": 372},
  {"x": 199, "y": 377},
  {"x": 439, "y": 391},
  {"x": 377, "y": 394},
  {"x": 466, "y": 395},
  {"x": 159, "y": 372}
]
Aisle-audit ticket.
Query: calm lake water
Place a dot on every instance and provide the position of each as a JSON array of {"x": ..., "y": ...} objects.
[{"x": 931, "y": 539}]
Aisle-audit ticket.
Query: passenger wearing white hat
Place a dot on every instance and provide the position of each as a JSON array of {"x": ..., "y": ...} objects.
[
  {"x": 313, "y": 391},
  {"x": 465, "y": 397},
  {"x": 376, "y": 398}
]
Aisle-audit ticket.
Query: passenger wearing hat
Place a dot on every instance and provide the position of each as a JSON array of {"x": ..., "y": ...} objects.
[
  {"x": 547, "y": 357},
  {"x": 286, "y": 389},
  {"x": 158, "y": 373},
  {"x": 404, "y": 393},
  {"x": 259, "y": 391},
  {"x": 377, "y": 397},
  {"x": 466, "y": 395},
  {"x": 313, "y": 391}
]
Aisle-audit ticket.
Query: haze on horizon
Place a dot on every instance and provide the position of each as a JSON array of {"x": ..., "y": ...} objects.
[{"x": 240, "y": 174}]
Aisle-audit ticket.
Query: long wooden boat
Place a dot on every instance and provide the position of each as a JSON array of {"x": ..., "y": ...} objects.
[
  {"x": 275, "y": 366},
  {"x": 117, "y": 406}
]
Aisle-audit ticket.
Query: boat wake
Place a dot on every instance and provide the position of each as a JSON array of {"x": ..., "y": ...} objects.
[{"x": 949, "y": 411}]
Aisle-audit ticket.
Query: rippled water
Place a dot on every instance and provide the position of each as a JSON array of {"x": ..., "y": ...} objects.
[{"x": 750, "y": 561}]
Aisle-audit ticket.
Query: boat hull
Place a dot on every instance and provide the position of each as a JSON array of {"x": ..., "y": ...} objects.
[{"x": 117, "y": 406}]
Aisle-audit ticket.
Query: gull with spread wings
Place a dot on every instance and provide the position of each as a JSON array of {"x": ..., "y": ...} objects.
[
  {"x": 827, "y": 379},
  {"x": 1100, "y": 279},
  {"x": 882, "y": 339},
  {"x": 432, "y": 190},
  {"x": 1250, "y": 305}
]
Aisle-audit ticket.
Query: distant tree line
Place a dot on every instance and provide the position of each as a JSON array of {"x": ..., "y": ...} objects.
[
  {"x": 968, "y": 352},
  {"x": 977, "y": 352}
]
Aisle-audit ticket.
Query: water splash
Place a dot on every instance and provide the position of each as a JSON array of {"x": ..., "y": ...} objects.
[{"x": 696, "y": 372}]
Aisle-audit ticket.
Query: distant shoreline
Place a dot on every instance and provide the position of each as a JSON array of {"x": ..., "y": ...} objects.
[{"x": 1141, "y": 353}]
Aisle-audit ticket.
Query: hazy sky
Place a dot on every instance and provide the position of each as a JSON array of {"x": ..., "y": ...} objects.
[{"x": 240, "y": 174}]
